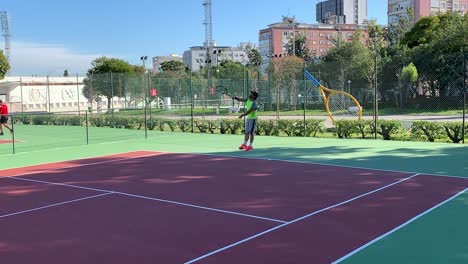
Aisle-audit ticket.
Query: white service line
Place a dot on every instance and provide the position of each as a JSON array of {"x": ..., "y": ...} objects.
[
  {"x": 319, "y": 163},
  {"x": 397, "y": 228},
  {"x": 151, "y": 198},
  {"x": 59, "y": 184},
  {"x": 53, "y": 205},
  {"x": 202, "y": 207},
  {"x": 298, "y": 219}
]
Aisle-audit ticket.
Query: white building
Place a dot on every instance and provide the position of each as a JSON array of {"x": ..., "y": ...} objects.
[
  {"x": 196, "y": 57},
  {"x": 48, "y": 94}
]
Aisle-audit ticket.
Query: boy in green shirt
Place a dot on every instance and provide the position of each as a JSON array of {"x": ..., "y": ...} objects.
[{"x": 252, "y": 119}]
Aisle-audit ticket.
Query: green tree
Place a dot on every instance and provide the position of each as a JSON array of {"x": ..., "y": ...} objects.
[
  {"x": 4, "y": 65},
  {"x": 423, "y": 32},
  {"x": 254, "y": 56},
  {"x": 398, "y": 31},
  {"x": 284, "y": 73},
  {"x": 297, "y": 45},
  {"x": 65, "y": 73},
  {"x": 173, "y": 65},
  {"x": 349, "y": 61},
  {"x": 109, "y": 77},
  {"x": 407, "y": 78}
]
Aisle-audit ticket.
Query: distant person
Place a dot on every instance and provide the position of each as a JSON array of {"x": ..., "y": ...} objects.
[
  {"x": 4, "y": 118},
  {"x": 252, "y": 119}
]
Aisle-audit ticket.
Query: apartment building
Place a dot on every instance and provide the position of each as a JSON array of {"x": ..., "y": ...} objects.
[
  {"x": 422, "y": 8},
  {"x": 273, "y": 39}
]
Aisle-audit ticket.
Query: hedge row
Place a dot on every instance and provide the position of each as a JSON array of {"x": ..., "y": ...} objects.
[
  {"x": 394, "y": 130},
  {"x": 387, "y": 129}
]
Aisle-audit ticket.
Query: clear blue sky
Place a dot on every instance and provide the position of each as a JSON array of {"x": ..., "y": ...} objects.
[{"x": 49, "y": 36}]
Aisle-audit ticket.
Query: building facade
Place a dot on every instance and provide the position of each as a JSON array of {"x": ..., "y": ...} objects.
[
  {"x": 422, "y": 8},
  {"x": 197, "y": 57},
  {"x": 342, "y": 12},
  {"x": 273, "y": 40},
  {"x": 49, "y": 94}
]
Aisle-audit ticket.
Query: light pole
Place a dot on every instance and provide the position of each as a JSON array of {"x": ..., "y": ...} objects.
[
  {"x": 374, "y": 36},
  {"x": 143, "y": 59},
  {"x": 293, "y": 22},
  {"x": 465, "y": 80},
  {"x": 349, "y": 86}
]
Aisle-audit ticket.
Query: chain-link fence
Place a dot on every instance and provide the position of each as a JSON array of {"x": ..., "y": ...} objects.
[{"x": 290, "y": 105}]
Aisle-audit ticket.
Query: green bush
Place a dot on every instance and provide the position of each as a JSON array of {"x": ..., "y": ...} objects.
[
  {"x": 184, "y": 125},
  {"x": 454, "y": 131},
  {"x": 388, "y": 127},
  {"x": 426, "y": 130},
  {"x": 40, "y": 120},
  {"x": 345, "y": 127}
]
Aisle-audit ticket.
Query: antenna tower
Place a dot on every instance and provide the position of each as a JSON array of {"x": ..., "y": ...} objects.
[
  {"x": 208, "y": 25},
  {"x": 6, "y": 33}
]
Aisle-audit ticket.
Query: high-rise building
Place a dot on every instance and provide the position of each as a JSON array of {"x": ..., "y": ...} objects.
[
  {"x": 422, "y": 8},
  {"x": 342, "y": 12}
]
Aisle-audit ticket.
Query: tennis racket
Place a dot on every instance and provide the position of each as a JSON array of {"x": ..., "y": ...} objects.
[{"x": 337, "y": 103}]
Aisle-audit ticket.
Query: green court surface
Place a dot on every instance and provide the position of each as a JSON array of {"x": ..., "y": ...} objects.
[{"x": 439, "y": 236}]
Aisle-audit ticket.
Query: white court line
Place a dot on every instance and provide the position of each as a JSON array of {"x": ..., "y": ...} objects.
[
  {"x": 81, "y": 165},
  {"x": 53, "y": 205},
  {"x": 59, "y": 184},
  {"x": 398, "y": 228},
  {"x": 154, "y": 199},
  {"x": 298, "y": 219},
  {"x": 321, "y": 164}
]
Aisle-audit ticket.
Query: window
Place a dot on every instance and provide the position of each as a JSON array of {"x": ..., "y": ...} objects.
[{"x": 463, "y": 6}]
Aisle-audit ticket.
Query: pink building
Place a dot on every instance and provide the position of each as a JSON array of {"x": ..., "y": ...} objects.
[
  {"x": 272, "y": 40},
  {"x": 424, "y": 8}
]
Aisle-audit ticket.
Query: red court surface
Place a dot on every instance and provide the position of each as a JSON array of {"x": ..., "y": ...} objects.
[
  {"x": 147, "y": 207},
  {"x": 6, "y": 141}
]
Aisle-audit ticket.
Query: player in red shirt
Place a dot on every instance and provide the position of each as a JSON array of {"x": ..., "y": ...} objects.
[{"x": 4, "y": 118}]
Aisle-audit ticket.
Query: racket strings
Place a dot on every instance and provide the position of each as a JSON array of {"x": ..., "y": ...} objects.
[{"x": 342, "y": 104}]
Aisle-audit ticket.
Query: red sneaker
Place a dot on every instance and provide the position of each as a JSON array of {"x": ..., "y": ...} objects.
[
  {"x": 248, "y": 148},
  {"x": 243, "y": 146}
]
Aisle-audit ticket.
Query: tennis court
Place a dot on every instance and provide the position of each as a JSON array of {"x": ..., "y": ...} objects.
[{"x": 194, "y": 198}]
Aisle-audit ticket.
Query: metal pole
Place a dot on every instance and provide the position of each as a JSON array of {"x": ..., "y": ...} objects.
[
  {"x": 375, "y": 87},
  {"x": 465, "y": 76},
  {"x": 191, "y": 100},
  {"x": 48, "y": 94},
  {"x": 78, "y": 93},
  {"x": 22, "y": 102},
  {"x": 112, "y": 92},
  {"x": 294, "y": 39},
  {"x": 146, "y": 110},
  {"x": 87, "y": 127},
  {"x": 305, "y": 97},
  {"x": 13, "y": 134},
  {"x": 151, "y": 98}
]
